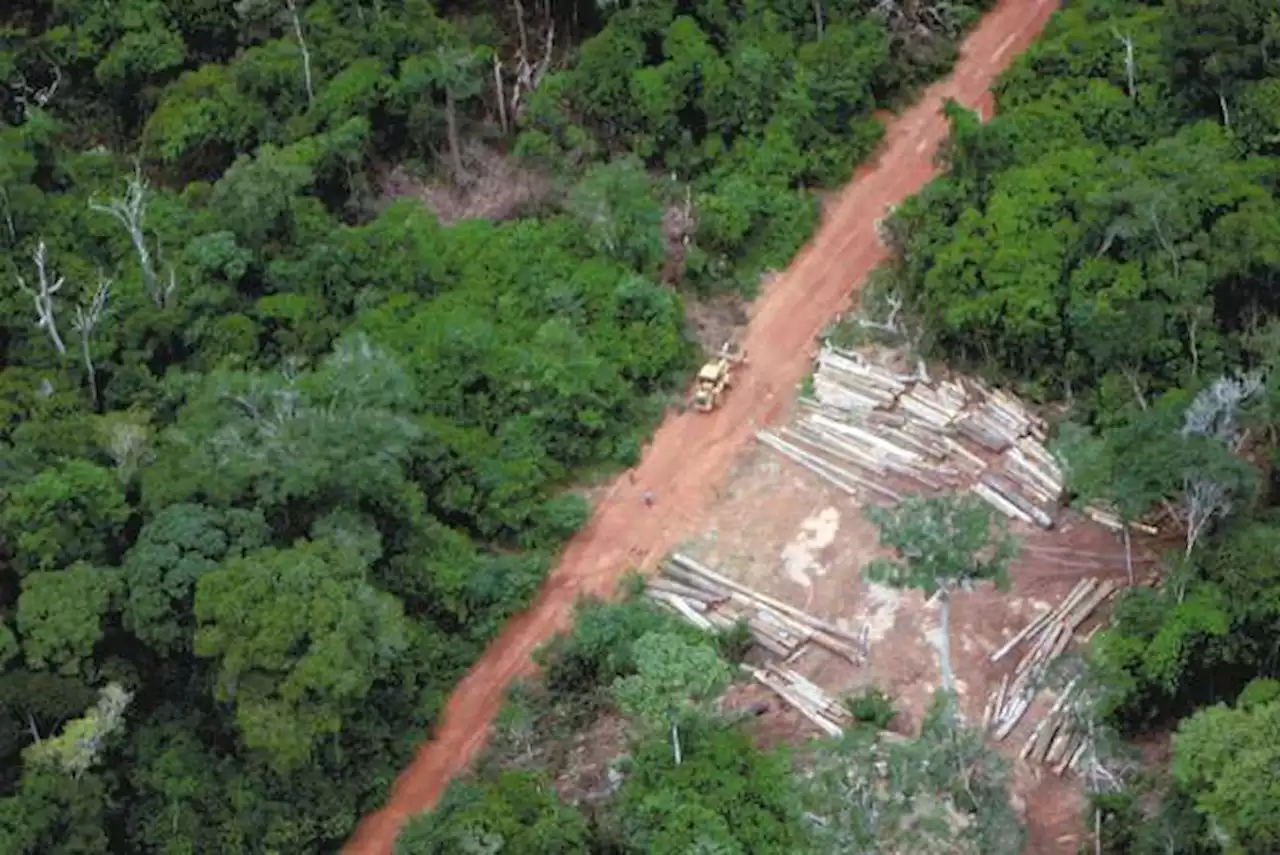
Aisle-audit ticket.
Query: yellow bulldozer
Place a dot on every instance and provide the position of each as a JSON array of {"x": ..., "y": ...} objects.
[{"x": 715, "y": 377}]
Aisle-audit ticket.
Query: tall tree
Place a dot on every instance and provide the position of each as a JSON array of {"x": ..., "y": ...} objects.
[
  {"x": 1228, "y": 759},
  {"x": 672, "y": 678},
  {"x": 945, "y": 544},
  {"x": 300, "y": 639}
]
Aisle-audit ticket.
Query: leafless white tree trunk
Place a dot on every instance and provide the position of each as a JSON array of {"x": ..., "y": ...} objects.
[
  {"x": 1130, "y": 68},
  {"x": 131, "y": 212},
  {"x": 296, "y": 20},
  {"x": 1213, "y": 413},
  {"x": 42, "y": 296},
  {"x": 84, "y": 323},
  {"x": 1205, "y": 500},
  {"x": 28, "y": 95},
  {"x": 526, "y": 72}
]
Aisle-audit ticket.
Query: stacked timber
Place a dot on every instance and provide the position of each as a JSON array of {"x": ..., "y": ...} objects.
[
  {"x": 1107, "y": 516},
  {"x": 867, "y": 429},
  {"x": 1057, "y": 741},
  {"x": 846, "y": 381},
  {"x": 712, "y": 602},
  {"x": 827, "y": 714},
  {"x": 1048, "y": 636}
]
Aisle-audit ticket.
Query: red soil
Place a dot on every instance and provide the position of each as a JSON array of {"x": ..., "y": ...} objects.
[{"x": 691, "y": 453}]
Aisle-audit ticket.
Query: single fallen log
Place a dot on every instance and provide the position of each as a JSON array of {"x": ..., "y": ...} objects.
[
  {"x": 1009, "y": 492},
  {"x": 671, "y": 586},
  {"x": 685, "y": 610},
  {"x": 693, "y": 580}
]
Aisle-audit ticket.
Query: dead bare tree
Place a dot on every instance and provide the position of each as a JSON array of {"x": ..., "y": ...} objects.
[
  {"x": 527, "y": 73},
  {"x": 296, "y": 20},
  {"x": 1130, "y": 69},
  {"x": 131, "y": 212},
  {"x": 84, "y": 323},
  {"x": 1204, "y": 501},
  {"x": 1214, "y": 413},
  {"x": 42, "y": 296},
  {"x": 31, "y": 97},
  {"x": 893, "y": 326}
]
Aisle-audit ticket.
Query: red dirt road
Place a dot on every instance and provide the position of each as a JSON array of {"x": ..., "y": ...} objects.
[{"x": 691, "y": 453}]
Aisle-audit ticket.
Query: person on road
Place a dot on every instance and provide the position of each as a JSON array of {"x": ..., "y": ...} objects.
[{"x": 648, "y": 498}]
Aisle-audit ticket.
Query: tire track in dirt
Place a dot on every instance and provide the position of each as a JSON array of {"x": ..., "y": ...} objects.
[{"x": 691, "y": 453}]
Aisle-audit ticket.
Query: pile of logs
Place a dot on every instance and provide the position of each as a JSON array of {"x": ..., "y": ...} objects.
[
  {"x": 1108, "y": 517},
  {"x": 1049, "y": 635},
  {"x": 712, "y": 601},
  {"x": 866, "y": 426},
  {"x": 1057, "y": 741},
  {"x": 809, "y": 700}
]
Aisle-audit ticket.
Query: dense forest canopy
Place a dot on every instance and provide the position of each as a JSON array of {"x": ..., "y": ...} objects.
[{"x": 280, "y": 453}]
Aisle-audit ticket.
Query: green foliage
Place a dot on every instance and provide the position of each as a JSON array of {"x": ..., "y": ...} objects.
[
  {"x": 182, "y": 543},
  {"x": 942, "y": 792},
  {"x": 616, "y": 204},
  {"x": 725, "y": 796},
  {"x": 749, "y": 106},
  {"x": 600, "y": 648},
  {"x": 673, "y": 678},
  {"x": 944, "y": 544},
  {"x": 300, "y": 637},
  {"x": 70, "y": 512},
  {"x": 515, "y": 812},
  {"x": 1226, "y": 759},
  {"x": 871, "y": 707},
  {"x": 60, "y": 616}
]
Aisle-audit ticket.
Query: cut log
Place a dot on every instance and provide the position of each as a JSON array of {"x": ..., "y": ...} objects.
[
  {"x": 1068, "y": 754},
  {"x": 1018, "y": 710},
  {"x": 683, "y": 607},
  {"x": 1002, "y": 692},
  {"x": 842, "y": 478},
  {"x": 1059, "y": 746},
  {"x": 844, "y": 651},
  {"x": 671, "y": 586},
  {"x": 795, "y": 701},
  {"x": 1082, "y": 612},
  {"x": 1073, "y": 762},
  {"x": 789, "y": 610},
  {"x": 684, "y": 577},
  {"x": 998, "y": 502},
  {"x": 1010, "y": 494},
  {"x": 1046, "y": 731}
]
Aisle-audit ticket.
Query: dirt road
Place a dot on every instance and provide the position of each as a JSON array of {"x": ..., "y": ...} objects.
[{"x": 691, "y": 454}]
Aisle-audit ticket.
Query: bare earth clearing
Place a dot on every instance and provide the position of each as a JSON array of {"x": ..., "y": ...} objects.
[
  {"x": 784, "y": 532},
  {"x": 691, "y": 455}
]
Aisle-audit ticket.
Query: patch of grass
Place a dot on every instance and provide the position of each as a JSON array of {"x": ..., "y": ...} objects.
[{"x": 872, "y": 708}]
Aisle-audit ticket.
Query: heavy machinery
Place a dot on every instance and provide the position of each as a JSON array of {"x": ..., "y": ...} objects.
[{"x": 715, "y": 378}]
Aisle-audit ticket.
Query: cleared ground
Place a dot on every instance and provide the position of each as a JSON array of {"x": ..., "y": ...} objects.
[{"x": 784, "y": 532}]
